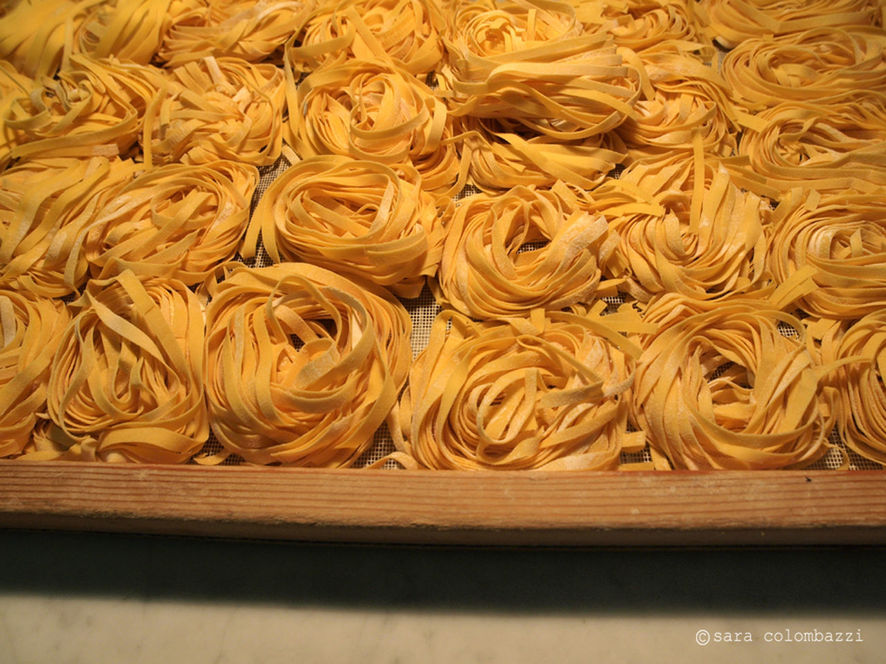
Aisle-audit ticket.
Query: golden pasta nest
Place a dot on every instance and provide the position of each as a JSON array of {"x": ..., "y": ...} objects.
[
  {"x": 810, "y": 66},
  {"x": 129, "y": 30},
  {"x": 648, "y": 25},
  {"x": 373, "y": 110},
  {"x": 30, "y": 330},
  {"x": 505, "y": 153},
  {"x": 93, "y": 107},
  {"x": 703, "y": 244},
  {"x": 45, "y": 207},
  {"x": 524, "y": 249},
  {"x": 354, "y": 217},
  {"x": 406, "y": 31},
  {"x": 842, "y": 235},
  {"x": 217, "y": 108},
  {"x": 830, "y": 146},
  {"x": 689, "y": 99},
  {"x": 13, "y": 86},
  {"x": 731, "y": 22},
  {"x": 729, "y": 384},
  {"x": 303, "y": 364},
  {"x": 860, "y": 353},
  {"x": 127, "y": 378},
  {"x": 516, "y": 59},
  {"x": 177, "y": 221},
  {"x": 248, "y": 29},
  {"x": 549, "y": 391}
]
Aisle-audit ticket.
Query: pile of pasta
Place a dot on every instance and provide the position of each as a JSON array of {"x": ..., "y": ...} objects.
[{"x": 654, "y": 232}]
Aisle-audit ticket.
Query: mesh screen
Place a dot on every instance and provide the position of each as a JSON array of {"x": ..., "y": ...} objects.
[{"x": 424, "y": 309}]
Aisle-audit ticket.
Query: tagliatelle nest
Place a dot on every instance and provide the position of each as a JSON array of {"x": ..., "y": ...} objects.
[
  {"x": 406, "y": 31},
  {"x": 303, "y": 365},
  {"x": 842, "y": 234},
  {"x": 217, "y": 108},
  {"x": 45, "y": 207},
  {"x": 177, "y": 221},
  {"x": 247, "y": 29},
  {"x": 730, "y": 22},
  {"x": 860, "y": 381},
  {"x": 525, "y": 249},
  {"x": 127, "y": 379},
  {"x": 354, "y": 217},
  {"x": 30, "y": 330},
  {"x": 546, "y": 392},
  {"x": 720, "y": 387},
  {"x": 812, "y": 66}
]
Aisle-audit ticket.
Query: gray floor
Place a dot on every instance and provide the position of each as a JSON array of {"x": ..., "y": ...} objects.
[{"x": 80, "y": 597}]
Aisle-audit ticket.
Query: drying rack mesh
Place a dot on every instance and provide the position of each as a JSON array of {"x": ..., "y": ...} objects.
[{"x": 424, "y": 309}]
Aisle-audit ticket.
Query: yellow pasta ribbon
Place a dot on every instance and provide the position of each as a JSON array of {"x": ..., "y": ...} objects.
[
  {"x": 859, "y": 383},
  {"x": 405, "y": 31},
  {"x": 720, "y": 387},
  {"x": 176, "y": 221},
  {"x": 30, "y": 330},
  {"x": 216, "y": 108},
  {"x": 354, "y": 217},
  {"x": 303, "y": 365},
  {"x": 248, "y": 29},
  {"x": 127, "y": 378},
  {"x": 813, "y": 66},
  {"x": 525, "y": 249},
  {"x": 842, "y": 234},
  {"x": 731, "y": 22},
  {"x": 548, "y": 392},
  {"x": 45, "y": 205},
  {"x": 13, "y": 85}
]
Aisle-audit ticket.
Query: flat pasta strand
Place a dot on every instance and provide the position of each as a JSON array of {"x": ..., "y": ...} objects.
[
  {"x": 354, "y": 217},
  {"x": 303, "y": 365}
]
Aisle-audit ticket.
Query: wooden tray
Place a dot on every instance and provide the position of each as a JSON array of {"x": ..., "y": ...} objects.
[{"x": 398, "y": 506}]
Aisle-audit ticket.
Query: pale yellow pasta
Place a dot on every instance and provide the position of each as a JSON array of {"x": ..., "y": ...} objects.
[
  {"x": 720, "y": 387},
  {"x": 355, "y": 217},
  {"x": 127, "y": 379},
  {"x": 549, "y": 392},
  {"x": 303, "y": 365},
  {"x": 249, "y": 29},
  {"x": 30, "y": 330},
  {"x": 45, "y": 205},
  {"x": 842, "y": 235},
  {"x": 216, "y": 108},
  {"x": 524, "y": 249},
  {"x": 731, "y": 22},
  {"x": 176, "y": 221},
  {"x": 406, "y": 31}
]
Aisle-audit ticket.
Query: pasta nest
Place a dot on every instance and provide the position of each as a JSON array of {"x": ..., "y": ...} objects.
[
  {"x": 176, "y": 221},
  {"x": 93, "y": 107},
  {"x": 550, "y": 392},
  {"x": 524, "y": 249},
  {"x": 719, "y": 386},
  {"x": 515, "y": 59},
  {"x": 842, "y": 235},
  {"x": 702, "y": 244},
  {"x": 248, "y": 29},
  {"x": 859, "y": 381},
  {"x": 650, "y": 25},
  {"x": 303, "y": 364},
  {"x": 354, "y": 217},
  {"x": 504, "y": 153},
  {"x": 216, "y": 108},
  {"x": 127, "y": 378},
  {"x": 371, "y": 110},
  {"x": 13, "y": 86},
  {"x": 731, "y": 22},
  {"x": 811, "y": 66},
  {"x": 41, "y": 226},
  {"x": 405, "y": 31},
  {"x": 30, "y": 330},
  {"x": 832, "y": 146}
]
